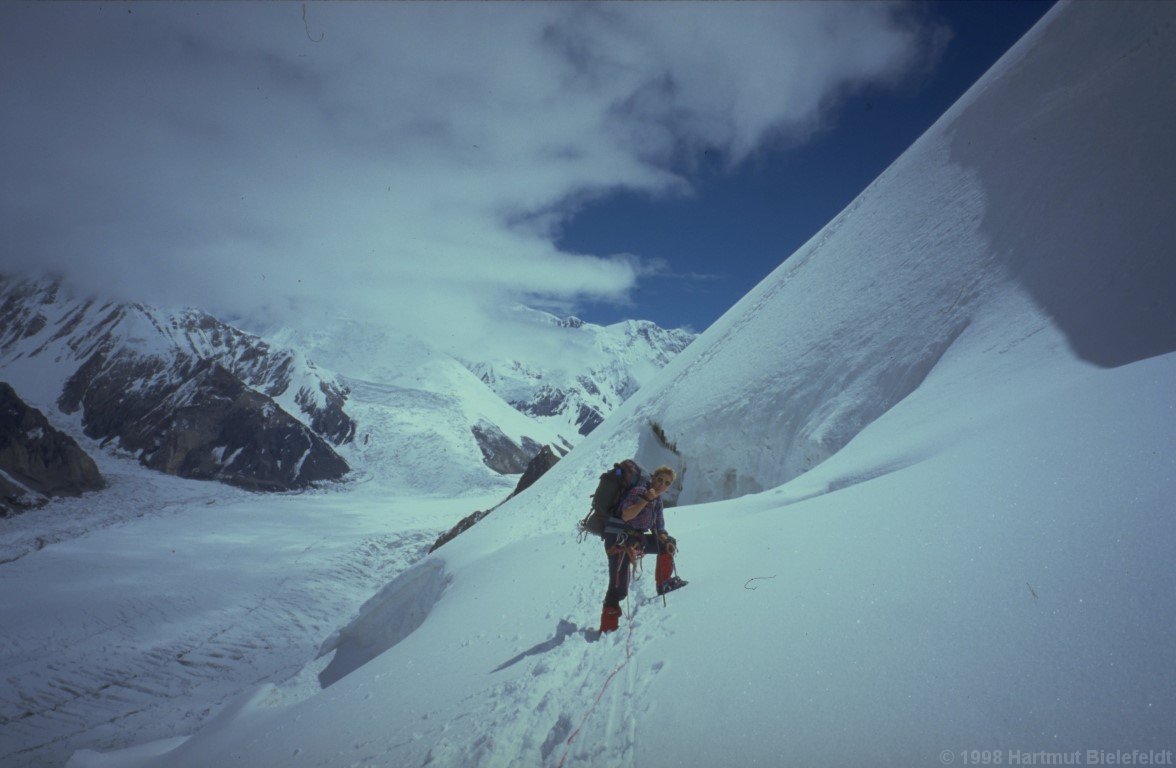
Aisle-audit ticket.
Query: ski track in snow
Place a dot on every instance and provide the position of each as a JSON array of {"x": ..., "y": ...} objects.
[{"x": 110, "y": 676}]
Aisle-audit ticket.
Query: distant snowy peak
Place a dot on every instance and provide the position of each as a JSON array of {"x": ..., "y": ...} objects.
[
  {"x": 175, "y": 387},
  {"x": 417, "y": 407},
  {"x": 585, "y": 372}
]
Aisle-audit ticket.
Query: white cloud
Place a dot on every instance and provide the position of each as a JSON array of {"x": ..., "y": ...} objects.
[{"x": 415, "y": 162}]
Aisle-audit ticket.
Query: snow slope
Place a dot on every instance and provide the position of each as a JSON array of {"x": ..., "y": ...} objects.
[
  {"x": 1052, "y": 177},
  {"x": 135, "y": 613},
  {"x": 937, "y": 514},
  {"x": 138, "y": 612},
  {"x": 950, "y": 581}
]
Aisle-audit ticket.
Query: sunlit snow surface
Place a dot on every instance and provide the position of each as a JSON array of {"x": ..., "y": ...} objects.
[
  {"x": 997, "y": 574},
  {"x": 939, "y": 522},
  {"x": 135, "y": 613}
]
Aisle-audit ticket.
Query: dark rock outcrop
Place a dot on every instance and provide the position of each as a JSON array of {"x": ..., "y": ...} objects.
[
  {"x": 588, "y": 419},
  {"x": 499, "y": 452},
  {"x": 38, "y": 462},
  {"x": 200, "y": 336},
  {"x": 544, "y": 460},
  {"x": 547, "y": 401},
  {"x": 197, "y": 419},
  {"x": 185, "y": 392},
  {"x": 462, "y": 526},
  {"x": 172, "y": 340},
  {"x": 330, "y": 420}
]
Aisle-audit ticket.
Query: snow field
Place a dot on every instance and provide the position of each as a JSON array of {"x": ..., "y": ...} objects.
[
  {"x": 525, "y": 680},
  {"x": 1001, "y": 592},
  {"x": 987, "y": 582},
  {"x": 137, "y": 613}
]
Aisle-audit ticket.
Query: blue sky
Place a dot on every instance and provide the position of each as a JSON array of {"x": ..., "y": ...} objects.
[
  {"x": 424, "y": 166},
  {"x": 739, "y": 225}
]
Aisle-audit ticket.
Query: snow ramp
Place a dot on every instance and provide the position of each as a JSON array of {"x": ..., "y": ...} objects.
[{"x": 390, "y": 616}]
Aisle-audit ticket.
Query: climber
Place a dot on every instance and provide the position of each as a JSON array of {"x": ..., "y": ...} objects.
[{"x": 638, "y": 526}]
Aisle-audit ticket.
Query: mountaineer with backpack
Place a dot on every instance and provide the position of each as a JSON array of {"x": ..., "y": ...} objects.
[{"x": 637, "y": 525}]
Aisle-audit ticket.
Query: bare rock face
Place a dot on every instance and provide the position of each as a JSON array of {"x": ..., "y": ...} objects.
[
  {"x": 329, "y": 420},
  {"x": 463, "y": 525},
  {"x": 37, "y": 462},
  {"x": 197, "y": 419},
  {"x": 262, "y": 367},
  {"x": 500, "y": 453},
  {"x": 544, "y": 460},
  {"x": 180, "y": 389}
]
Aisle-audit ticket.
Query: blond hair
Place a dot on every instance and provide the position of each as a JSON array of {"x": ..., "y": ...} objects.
[{"x": 665, "y": 472}]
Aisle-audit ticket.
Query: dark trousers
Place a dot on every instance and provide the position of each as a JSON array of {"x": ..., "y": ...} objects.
[{"x": 618, "y": 547}]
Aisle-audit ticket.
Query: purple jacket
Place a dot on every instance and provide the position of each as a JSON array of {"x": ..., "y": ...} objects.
[{"x": 650, "y": 517}]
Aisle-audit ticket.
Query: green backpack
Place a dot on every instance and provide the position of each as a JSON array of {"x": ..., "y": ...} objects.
[{"x": 613, "y": 486}]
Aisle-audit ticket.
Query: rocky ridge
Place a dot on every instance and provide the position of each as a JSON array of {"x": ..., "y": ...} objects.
[
  {"x": 543, "y": 461},
  {"x": 38, "y": 462},
  {"x": 184, "y": 392}
]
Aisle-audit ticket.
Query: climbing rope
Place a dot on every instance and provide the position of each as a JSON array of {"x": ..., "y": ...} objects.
[
  {"x": 603, "y": 688},
  {"x": 635, "y": 556}
]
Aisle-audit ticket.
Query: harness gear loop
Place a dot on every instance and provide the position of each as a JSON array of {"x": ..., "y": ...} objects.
[{"x": 633, "y": 551}]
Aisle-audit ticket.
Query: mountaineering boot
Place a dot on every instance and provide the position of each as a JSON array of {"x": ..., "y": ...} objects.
[
  {"x": 609, "y": 618},
  {"x": 663, "y": 573},
  {"x": 670, "y": 584},
  {"x": 664, "y": 568}
]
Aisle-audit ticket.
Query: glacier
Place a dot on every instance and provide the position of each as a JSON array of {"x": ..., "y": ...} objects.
[{"x": 924, "y": 502}]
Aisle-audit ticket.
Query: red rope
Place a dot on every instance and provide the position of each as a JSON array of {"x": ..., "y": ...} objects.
[{"x": 599, "y": 696}]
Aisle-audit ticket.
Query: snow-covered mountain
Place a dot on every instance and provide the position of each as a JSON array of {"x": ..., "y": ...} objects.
[
  {"x": 583, "y": 371},
  {"x": 428, "y": 444},
  {"x": 182, "y": 391},
  {"x": 429, "y": 421},
  {"x": 937, "y": 449},
  {"x": 424, "y": 421},
  {"x": 154, "y": 382}
]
